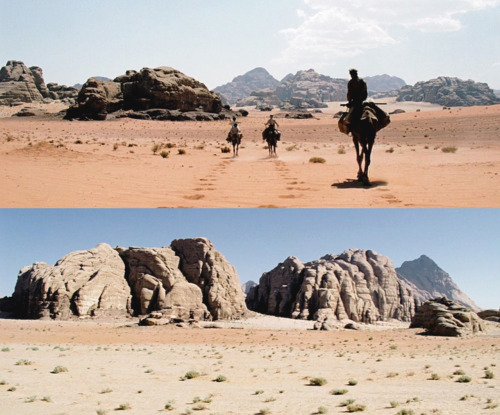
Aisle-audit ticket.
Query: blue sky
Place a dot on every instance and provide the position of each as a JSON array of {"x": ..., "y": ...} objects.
[
  {"x": 214, "y": 41},
  {"x": 463, "y": 242}
]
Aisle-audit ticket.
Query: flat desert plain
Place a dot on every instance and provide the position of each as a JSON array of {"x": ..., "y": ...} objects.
[
  {"x": 427, "y": 157},
  {"x": 262, "y": 365}
]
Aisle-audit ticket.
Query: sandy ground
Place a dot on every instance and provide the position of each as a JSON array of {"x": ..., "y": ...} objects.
[
  {"x": 48, "y": 162},
  {"x": 266, "y": 367}
]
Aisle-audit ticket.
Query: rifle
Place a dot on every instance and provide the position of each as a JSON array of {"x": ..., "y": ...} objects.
[{"x": 376, "y": 103}]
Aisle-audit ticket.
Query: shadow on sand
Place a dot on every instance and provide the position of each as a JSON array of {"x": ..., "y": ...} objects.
[{"x": 355, "y": 184}]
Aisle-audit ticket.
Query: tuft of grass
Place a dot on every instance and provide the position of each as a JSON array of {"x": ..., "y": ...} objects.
[
  {"x": 264, "y": 411},
  {"x": 406, "y": 412},
  {"x": 338, "y": 392},
  {"x": 220, "y": 378},
  {"x": 322, "y": 410},
  {"x": 347, "y": 402},
  {"x": 181, "y": 151},
  {"x": 59, "y": 369},
  {"x": 449, "y": 149},
  {"x": 317, "y": 160},
  {"x": 317, "y": 381},
  {"x": 488, "y": 374},
  {"x": 341, "y": 149},
  {"x": 30, "y": 399},
  {"x": 165, "y": 154},
  {"x": 5, "y": 349},
  {"x": 192, "y": 374},
  {"x": 225, "y": 149},
  {"x": 390, "y": 150},
  {"x": 464, "y": 379},
  {"x": 352, "y": 382},
  {"x": 101, "y": 412},
  {"x": 169, "y": 406},
  {"x": 124, "y": 407},
  {"x": 107, "y": 390},
  {"x": 356, "y": 407},
  {"x": 24, "y": 362},
  {"x": 434, "y": 376}
]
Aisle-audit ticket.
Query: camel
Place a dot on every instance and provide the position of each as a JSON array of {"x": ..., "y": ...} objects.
[
  {"x": 235, "y": 140},
  {"x": 272, "y": 137},
  {"x": 363, "y": 133}
]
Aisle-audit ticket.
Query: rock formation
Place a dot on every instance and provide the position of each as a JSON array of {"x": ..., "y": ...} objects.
[
  {"x": 383, "y": 83},
  {"x": 443, "y": 317},
  {"x": 83, "y": 283},
  {"x": 242, "y": 86},
  {"x": 430, "y": 281},
  {"x": 248, "y": 286},
  {"x": 155, "y": 89},
  {"x": 490, "y": 315},
  {"x": 358, "y": 285},
  {"x": 310, "y": 89},
  {"x": 450, "y": 92},
  {"x": 189, "y": 281},
  {"x": 204, "y": 266}
]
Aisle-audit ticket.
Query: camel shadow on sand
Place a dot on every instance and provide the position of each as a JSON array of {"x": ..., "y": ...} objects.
[{"x": 356, "y": 184}]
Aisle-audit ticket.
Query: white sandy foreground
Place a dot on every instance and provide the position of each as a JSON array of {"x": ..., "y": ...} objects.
[
  {"x": 426, "y": 157},
  {"x": 264, "y": 366}
]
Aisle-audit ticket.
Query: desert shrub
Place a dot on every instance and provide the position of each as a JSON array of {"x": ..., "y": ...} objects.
[
  {"x": 464, "y": 379},
  {"x": 338, "y": 392},
  {"x": 169, "y": 406},
  {"x": 317, "y": 381},
  {"x": 155, "y": 148},
  {"x": 165, "y": 154},
  {"x": 316, "y": 160},
  {"x": 449, "y": 149},
  {"x": 488, "y": 374},
  {"x": 459, "y": 372},
  {"x": 59, "y": 369},
  {"x": 101, "y": 412},
  {"x": 220, "y": 378},
  {"x": 225, "y": 149},
  {"x": 5, "y": 349},
  {"x": 258, "y": 392},
  {"x": 24, "y": 362},
  {"x": 355, "y": 407},
  {"x": 347, "y": 402},
  {"x": 341, "y": 149},
  {"x": 352, "y": 382},
  {"x": 406, "y": 412},
  {"x": 170, "y": 145},
  {"x": 192, "y": 374},
  {"x": 124, "y": 407},
  {"x": 30, "y": 399},
  {"x": 322, "y": 410},
  {"x": 181, "y": 151},
  {"x": 107, "y": 390},
  {"x": 434, "y": 376},
  {"x": 390, "y": 150}
]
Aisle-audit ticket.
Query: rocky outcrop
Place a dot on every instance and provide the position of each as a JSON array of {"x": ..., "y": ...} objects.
[
  {"x": 18, "y": 83},
  {"x": 189, "y": 281},
  {"x": 68, "y": 94},
  {"x": 155, "y": 89},
  {"x": 450, "y": 92},
  {"x": 358, "y": 285},
  {"x": 242, "y": 86},
  {"x": 430, "y": 281},
  {"x": 310, "y": 89},
  {"x": 260, "y": 98},
  {"x": 490, "y": 315},
  {"x": 95, "y": 100},
  {"x": 82, "y": 284},
  {"x": 248, "y": 286},
  {"x": 443, "y": 317},
  {"x": 383, "y": 83},
  {"x": 204, "y": 266}
]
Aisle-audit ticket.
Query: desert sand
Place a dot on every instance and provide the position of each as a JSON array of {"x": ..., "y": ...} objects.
[
  {"x": 262, "y": 365},
  {"x": 48, "y": 162}
]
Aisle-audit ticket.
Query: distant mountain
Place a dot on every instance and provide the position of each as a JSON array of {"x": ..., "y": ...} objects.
[
  {"x": 384, "y": 83},
  {"x": 431, "y": 281},
  {"x": 248, "y": 286},
  {"x": 450, "y": 92},
  {"x": 242, "y": 86},
  {"x": 99, "y": 78}
]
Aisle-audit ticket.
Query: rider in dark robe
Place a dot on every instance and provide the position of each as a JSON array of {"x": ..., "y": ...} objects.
[
  {"x": 271, "y": 125},
  {"x": 356, "y": 93}
]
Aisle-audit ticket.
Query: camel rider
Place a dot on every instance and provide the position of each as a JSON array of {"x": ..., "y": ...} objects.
[
  {"x": 235, "y": 129},
  {"x": 271, "y": 125},
  {"x": 356, "y": 94}
]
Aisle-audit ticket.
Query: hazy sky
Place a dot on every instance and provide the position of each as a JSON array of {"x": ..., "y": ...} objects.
[
  {"x": 214, "y": 41},
  {"x": 463, "y": 242}
]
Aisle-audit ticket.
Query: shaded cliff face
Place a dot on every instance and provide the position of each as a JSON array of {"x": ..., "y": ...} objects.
[
  {"x": 431, "y": 281},
  {"x": 191, "y": 279},
  {"x": 359, "y": 285}
]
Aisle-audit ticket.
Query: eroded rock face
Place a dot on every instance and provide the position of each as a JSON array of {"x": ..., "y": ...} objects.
[
  {"x": 83, "y": 283},
  {"x": 207, "y": 268},
  {"x": 358, "y": 285},
  {"x": 443, "y": 317},
  {"x": 158, "y": 284},
  {"x": 449, "y": 91},
  {"x": 18, "y": 83}
]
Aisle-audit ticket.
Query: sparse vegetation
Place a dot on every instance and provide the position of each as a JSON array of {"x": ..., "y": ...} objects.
[
  {"x": 24, "y": 362},
  {"x": 192, "y": 374},
  {"x": 322, "y": 410},
  {"x": 317, "y": 381},
  {"x": 449, "y": 149},
  {"x": 355, "y": 407},
  {"x": 352, "y": 382},
  {"x": 124, "y": 407},
  {"x": 169, "y": 406},
  {"x": 59, "y": 369},
  {"x": 165, "y": 154},
  {"x": 181, "y": 151},
  {"x": 317, "y": 160},
  {"x": 220, "y": 378},
  {"x": 338, "y": 392},
  {"x": 464, "y": 379},
  {"x": 341, "y": 149},
  {"x": 390, "y": 150},
  {"x": 225, "y": 149},
  {"x": 488, "y": 374}
]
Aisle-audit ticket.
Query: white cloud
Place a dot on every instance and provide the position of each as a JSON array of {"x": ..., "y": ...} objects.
[{"x": 333, "y": 28}]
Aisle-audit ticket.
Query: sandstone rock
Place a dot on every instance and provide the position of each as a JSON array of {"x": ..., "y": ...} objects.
[
  {"x": 18, "y": 83},
  {"x": 207, "y": 268},
  {"x": 431, "y": 281},
  {"x": 490, "y": 315},
  {"x": 95, "y": 100},
  {"x": 244, "y": 85},
  {"x": 308, "y": 88},
  {"x": 443, "y": 317},
  {"x": 68, "y": 94},
  {"x": 83, "y": 283},
  {"x": 166, "y": 88},
  {"x": 358, "y": 285},
  {"x": 450, "y": 92},
  {"x": 383, "y": 83}
]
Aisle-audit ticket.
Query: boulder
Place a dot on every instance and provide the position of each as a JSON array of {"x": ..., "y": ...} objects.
[
  {"x": 358, "y": 285},
  {"x": 218, "y": 280},
  {"x": 82, "y": 284},
  {"x": 490, "y": 315},
  {"x": 443, "y": 317}
]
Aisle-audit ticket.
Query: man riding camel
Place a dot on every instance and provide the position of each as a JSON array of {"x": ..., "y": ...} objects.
[
  {"x": 356, "y": 93},
  {"x": 271, "y": 125},
  {"x": 235, "y": 129}
]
